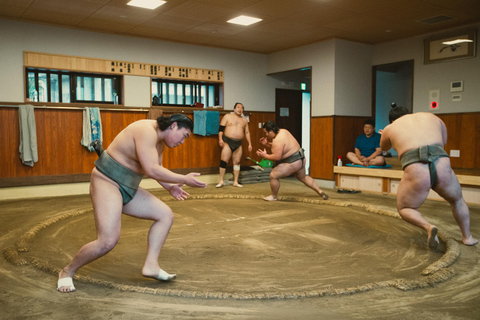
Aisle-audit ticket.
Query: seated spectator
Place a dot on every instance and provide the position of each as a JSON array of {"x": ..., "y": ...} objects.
[{"x": 367, "y": 147}]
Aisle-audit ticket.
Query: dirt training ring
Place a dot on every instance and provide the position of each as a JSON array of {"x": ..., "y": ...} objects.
[{"x": 437, "y": 272}]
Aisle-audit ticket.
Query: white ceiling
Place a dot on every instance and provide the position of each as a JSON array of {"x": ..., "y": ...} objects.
[{"x": 286, "y": 23}]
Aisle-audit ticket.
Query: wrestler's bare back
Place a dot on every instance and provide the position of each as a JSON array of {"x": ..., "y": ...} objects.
[
  {"x": 234, "y": 126},
  {"x": 124, "y": 147},
  {"x": 412, "y": 131}
]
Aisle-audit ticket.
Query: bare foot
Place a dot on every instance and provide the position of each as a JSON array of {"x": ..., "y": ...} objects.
[
  {"x": 161, "y": 275},
  {"x": 270, "y": 198},
  {"x": 432, "y": 238},
  {"x": 470, "y": 241},
  {"x": 65, "y": 282},
  {"x": 324, "y": 195}
]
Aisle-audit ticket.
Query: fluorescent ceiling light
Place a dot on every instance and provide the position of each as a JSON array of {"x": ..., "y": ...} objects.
[
  {"x": 244, "y": 20},
  {"x": 147, "y": 4},
  {"x": 456, "y": 41}
]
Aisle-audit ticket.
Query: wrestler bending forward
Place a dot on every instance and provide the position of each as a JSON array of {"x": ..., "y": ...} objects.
[
  {"x": 233, "y": 128},
  {"x": 289, "y": 156},
  {"x": 114, "y": 188},
  {"x": 419, "y": 140}
]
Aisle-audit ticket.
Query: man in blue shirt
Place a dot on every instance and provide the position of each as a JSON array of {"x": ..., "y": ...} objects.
[{"x": 367, "y": 147}]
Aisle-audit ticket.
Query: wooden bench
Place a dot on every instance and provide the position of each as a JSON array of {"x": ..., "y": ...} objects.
[{"x": 386, "y": 181}]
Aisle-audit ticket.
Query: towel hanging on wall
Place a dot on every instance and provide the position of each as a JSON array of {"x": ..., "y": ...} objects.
[
  {"x": 92, "y": 127},
  {"x": 28, "y": 135},
  {"x": 205, "y": 123}
]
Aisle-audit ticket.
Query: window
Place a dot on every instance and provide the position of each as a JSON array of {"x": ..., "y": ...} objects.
[
  {"x": 71, "y": 87},
  {"x": 184, "y": 93}
]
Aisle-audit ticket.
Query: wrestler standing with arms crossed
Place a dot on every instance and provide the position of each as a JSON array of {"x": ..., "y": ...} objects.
[
  {"x": 233, "y": 128},
  {"x": 419, "y": 140},
  {"x": 114, "y": 189}
]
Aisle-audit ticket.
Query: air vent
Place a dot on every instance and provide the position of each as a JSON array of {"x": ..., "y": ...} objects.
[{"x": 436, "y": 19}]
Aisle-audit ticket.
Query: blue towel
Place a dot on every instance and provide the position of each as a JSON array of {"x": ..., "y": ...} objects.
[
  {"x": 206, "y": 123},
  {"x": 200, "y": 122},
  {"x": 92, "y": 127},
  {"x": 369, "y": 167},
  {"x": 28, "y": 135},
  {"x": 213, "y": 122}
]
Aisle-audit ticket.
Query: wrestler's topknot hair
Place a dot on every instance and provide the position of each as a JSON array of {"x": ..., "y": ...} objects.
[
  {"x": 271, "y": 126},
  {"x": 397, "y": 112},
  {"x": 182, "y": 121}
]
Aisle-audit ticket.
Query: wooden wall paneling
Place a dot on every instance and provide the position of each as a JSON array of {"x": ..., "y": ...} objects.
[
  {"x": 9, "y": 141},
  {"x": 47, "y": 139},
  {"x": 347, "y": 129},
  {"x": 321, "y": 148},
  {"x": 452, "y": 137},
  {"x": 468, "y": 141},
  {"x": 476, "y": 162},
  {"x": 59, "y": 133},
  {"x": 463, "y": 134},
  {"x": 203, "y": 152}
]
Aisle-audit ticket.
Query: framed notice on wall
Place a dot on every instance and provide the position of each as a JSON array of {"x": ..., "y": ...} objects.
[{"x": 452, "y": 46}]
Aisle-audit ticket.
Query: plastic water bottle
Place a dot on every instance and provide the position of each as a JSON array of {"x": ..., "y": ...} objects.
[{"x": 339, "y": 162}]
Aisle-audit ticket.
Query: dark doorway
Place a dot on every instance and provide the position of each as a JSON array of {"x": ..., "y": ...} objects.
[{"x": 288, "y": 111}]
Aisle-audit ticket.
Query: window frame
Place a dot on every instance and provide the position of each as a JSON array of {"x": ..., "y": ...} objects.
[
  {"x": 195, "y": 92},
  {"x": 117, "y": 83}
]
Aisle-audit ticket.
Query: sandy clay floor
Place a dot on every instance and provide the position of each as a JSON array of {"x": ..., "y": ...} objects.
[{"x": 239, "y": 257}]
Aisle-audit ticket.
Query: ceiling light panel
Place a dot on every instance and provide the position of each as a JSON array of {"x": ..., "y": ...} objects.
[
  {"x": 147, "y": 4},
  {"x": 244, "y": 20}
]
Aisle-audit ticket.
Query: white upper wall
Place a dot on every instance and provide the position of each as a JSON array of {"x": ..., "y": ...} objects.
[
  {"x": 138, "y": 93},
  {"x": 320, "y": 57},
  {"x": 436, "y": 75},
  {"x": 341, "y": 75},
  {"x": 245, "y": 77},
  {"x": 353, "y": 78}
]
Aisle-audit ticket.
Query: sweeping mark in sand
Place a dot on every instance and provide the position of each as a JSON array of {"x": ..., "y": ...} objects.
[
  {"x": 435, "y": 273},
  {"x": 229, "y": 220}
]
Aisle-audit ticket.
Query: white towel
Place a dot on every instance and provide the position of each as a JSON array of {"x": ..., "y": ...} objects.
[{"x": 28, "y": 135}]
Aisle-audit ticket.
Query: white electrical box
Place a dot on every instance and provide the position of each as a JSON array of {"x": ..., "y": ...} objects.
[
  {"x": 455, "y": 153},
  {"x": 456, "y": 86}
]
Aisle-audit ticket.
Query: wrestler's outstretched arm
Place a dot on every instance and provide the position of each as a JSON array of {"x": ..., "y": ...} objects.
[{"x": 147, "y": 154}]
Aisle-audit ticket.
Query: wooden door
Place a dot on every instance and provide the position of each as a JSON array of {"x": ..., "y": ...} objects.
[{"x": 288, "y": 111}]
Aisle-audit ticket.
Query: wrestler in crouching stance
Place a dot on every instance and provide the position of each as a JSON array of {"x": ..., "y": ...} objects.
[
  {"x": 290, "y": 159},
  {"x": 419, "y": 140},
  {"x": 114, "y": 188}
]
